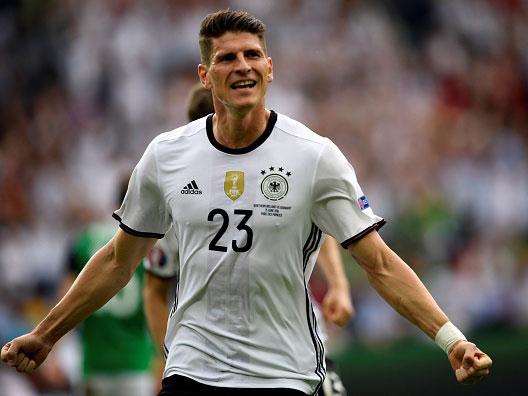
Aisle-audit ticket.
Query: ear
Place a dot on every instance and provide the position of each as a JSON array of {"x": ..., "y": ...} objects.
[
  {"x": 204, "y": 78},
  {"x": 270, "y": 70}
]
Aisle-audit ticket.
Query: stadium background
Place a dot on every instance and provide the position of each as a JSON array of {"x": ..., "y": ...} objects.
[{"x": 428, "y": 99}]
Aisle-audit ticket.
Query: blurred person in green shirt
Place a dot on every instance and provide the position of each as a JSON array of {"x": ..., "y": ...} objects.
[{"x": 117, "y": 351}]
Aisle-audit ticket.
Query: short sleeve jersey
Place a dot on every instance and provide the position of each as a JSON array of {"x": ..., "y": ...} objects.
[
  {"x": 248, "y": 224},
  {"x": 115, "y": 338}
]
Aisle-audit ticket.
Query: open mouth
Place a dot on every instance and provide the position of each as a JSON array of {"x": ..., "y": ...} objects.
[{"x": 243, "y": 84}]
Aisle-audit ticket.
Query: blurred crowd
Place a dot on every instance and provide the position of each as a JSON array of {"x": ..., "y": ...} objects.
[{"x": 428, "y": 100}]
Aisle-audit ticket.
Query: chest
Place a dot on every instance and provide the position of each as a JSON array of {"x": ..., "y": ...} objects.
[{"x": 270, "y": 189}]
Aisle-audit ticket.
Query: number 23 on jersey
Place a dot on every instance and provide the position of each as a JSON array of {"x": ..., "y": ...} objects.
[{"x": 238, "y": 245}]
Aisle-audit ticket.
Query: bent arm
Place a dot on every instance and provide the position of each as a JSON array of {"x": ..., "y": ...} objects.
[
  {"x": 331, "y": 265},
  {"x": 104, "y": 275},
  {"x": 155, "y": 294},
  {"x": 337, "y": 303},
  {"x": 397, "y": 283}
]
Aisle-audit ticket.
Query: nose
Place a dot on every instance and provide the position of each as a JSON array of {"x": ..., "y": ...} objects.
[{"x": 242, "y": 66}]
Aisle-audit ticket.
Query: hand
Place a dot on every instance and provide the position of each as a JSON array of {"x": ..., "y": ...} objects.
[
  {"x": 337, "y": 306},
  {"x": 157, "y": 371},
  {"x": 469, "y": 362},
  {"x": 25, "y": 353}
]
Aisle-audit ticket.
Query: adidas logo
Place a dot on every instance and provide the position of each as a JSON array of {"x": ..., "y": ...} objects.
[{"x": 191, "y": 188}]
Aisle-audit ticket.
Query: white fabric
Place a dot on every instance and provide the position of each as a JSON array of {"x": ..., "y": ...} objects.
[
  {"x": 447, "y": 336},
  {"x": 244, "y": 318},
  {"x": 129, "y": 384},
  {"x": 163, "y": 258}
]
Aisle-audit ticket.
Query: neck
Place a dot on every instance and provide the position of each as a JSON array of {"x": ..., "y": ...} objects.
[{"x": 239, "y": 130}]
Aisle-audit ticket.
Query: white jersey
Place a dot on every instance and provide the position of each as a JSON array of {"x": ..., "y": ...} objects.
[
  {"x": 249, "y": 224},
  {"x": 163, "y": 261}
]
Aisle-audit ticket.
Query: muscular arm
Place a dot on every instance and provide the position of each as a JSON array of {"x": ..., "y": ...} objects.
[
  {"x": 397, "y": 283},
  {"x": 155, "y": 294},
  {"x": 104, "y": 275},
  {"x": 337, "y": 303}
]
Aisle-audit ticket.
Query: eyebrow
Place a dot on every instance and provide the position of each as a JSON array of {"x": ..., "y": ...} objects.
[{"x": 250, "y": 51}]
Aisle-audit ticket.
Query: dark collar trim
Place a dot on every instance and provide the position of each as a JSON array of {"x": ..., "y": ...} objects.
[{"x": 261, "y": 139}]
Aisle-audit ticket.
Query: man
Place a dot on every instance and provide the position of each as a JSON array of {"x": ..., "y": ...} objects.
[
  {"x": 162, "y": 268},
  {"x": 117, "y": 350},
  {"x": 248, "y": 193}
]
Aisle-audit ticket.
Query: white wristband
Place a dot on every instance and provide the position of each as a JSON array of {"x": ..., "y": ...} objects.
[{"x": 447, "y": 336}]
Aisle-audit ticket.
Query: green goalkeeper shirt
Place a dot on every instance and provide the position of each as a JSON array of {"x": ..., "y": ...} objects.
[{"x": 115, "y": 338}]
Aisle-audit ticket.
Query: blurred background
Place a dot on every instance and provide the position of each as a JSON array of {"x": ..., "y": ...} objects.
[{"x": 428, "y": 100}]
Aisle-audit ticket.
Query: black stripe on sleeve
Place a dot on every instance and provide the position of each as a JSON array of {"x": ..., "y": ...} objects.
[
  {"x": 131, "y": 231},
  {"x": 311, "y": 244},
  {"x": 175, "y": 302},
  {"x": 320, "y": 343},
  {"x": 309, "y": 248},
  {"x": 309, "y": 240},
  {"x": 316, "y": 340},
  {"x": 366, "y": 231}
]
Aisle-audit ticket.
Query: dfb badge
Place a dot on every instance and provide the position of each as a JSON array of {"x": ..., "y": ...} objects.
[{"x": 274, "y": 186}]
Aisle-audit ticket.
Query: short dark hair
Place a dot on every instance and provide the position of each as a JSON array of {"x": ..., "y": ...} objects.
[
  {"x": 216, "y": 24},
  {"x": 199, "y": 103}
]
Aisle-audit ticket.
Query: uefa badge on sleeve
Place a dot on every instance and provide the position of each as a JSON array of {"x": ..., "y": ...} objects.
[
  {"x": 156, "y": 258},
  {"x": 363, "y": 202}
]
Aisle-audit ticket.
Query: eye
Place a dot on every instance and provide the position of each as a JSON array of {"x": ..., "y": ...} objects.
[
  {"x": 226, "y": 57},
  {"x": 253, "y": 54}
]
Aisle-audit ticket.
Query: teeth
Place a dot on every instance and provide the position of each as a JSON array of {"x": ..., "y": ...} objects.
[{"x": 243, "y": 84}]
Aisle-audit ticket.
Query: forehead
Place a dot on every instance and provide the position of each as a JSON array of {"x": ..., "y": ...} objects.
[{"x": 235, "y": 42}]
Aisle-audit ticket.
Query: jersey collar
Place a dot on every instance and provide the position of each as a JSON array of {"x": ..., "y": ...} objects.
[{"x": 261, "y": 139}]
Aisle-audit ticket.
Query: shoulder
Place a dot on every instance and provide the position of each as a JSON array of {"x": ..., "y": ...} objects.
[
  {"x": 186, "y": 131},
  {"x": 300, "y": 131},
  {"x": 174, "y": 142},
  {"x": 308, "y": 141}
]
